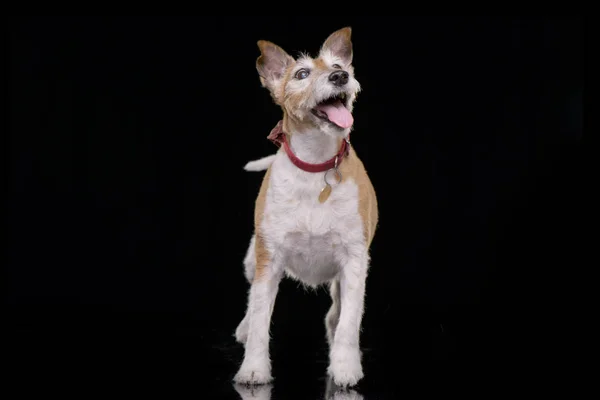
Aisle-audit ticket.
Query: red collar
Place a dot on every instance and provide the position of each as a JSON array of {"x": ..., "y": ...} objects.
[{"x": 279, "y": 137}]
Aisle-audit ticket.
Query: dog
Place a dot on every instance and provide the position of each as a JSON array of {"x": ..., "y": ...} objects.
[{"x": 316, "y": 211}]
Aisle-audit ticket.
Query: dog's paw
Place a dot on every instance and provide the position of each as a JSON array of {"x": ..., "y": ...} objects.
[
  {"x": 253, "y": 374},
  {"x": 345, "y": 368}
]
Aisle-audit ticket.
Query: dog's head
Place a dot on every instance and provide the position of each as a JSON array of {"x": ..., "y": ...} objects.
[{"x": 313, "y": 92}]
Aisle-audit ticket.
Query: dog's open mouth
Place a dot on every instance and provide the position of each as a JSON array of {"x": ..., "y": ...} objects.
[{"x": 334, "y": 111}]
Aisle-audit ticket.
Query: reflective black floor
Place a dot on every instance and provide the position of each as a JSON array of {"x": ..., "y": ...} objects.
[{"x": 91, "y": 350}]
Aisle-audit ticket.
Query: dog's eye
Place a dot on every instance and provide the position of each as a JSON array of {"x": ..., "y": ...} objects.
[
  {"x": 302, "y": 73},
  {"x": 336, "y": 66}
]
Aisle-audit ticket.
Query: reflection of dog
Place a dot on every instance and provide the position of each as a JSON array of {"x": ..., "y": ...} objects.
[
  {"x": 333, "y": 392},
  {"x": 316, "y": 211},
  {"x": 263, "y": 392}
]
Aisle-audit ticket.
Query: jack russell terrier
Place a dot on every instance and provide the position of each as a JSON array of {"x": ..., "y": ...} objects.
[{"x": 316, "y": 211}]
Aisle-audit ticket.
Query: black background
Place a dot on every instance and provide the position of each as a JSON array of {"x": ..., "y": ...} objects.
[{"x": 130, "y": 213}]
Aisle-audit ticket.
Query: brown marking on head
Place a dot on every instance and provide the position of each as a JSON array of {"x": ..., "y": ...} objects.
[
  {"x": 263, "y": 257},
  {"x": 294, "y": 100},
  {"x": 352, "y": 167},
  {"x": 320, "y": 64}
]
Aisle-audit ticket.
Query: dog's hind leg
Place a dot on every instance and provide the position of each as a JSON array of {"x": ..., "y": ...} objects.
[
  {"x": 333, "y": 315},
  {"x": 241, "y": 333},
  {"x": 256, "y": 367},
  {"x": 250, "y": 260}
]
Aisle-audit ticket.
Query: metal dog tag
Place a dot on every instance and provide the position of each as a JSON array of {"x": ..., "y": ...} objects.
[{"x": 326, "y": 191}]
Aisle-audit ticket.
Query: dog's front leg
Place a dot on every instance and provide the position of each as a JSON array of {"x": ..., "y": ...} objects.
[
  {"x": 256, "y": 367},
  {"x": 345, "y": 357}
]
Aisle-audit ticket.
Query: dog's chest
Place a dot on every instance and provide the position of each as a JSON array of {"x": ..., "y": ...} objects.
[{"x": 309, "y": 234}]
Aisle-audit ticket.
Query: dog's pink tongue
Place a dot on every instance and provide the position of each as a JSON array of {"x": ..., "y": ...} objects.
[{"x": 338, "y": 114}]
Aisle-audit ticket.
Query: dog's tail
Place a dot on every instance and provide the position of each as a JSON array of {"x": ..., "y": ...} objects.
[{"x": 260, "y": 164}]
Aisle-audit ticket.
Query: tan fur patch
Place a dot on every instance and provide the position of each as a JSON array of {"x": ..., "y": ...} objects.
[
  {"x": 281, "y": 89},
  {"x": 291, "y": 124},
  {"x": 295, "y": 101},
  {"x": 320, "y": 64},
  {"x": 262, "y": 254},
  {"x": 352, "y": 167}
]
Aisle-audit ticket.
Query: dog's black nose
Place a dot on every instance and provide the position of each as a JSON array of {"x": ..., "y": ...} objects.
[{"x": 338, "y": 78}]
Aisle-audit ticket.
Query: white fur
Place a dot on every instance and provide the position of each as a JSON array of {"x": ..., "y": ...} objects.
[
  {"x": 256, "y": 367},
  {"x": 260, "y": 164},
  {"x": 331, "y": 59}
]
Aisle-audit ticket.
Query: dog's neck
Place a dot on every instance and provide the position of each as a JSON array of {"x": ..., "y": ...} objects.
[{"x": 310, "y": 144}]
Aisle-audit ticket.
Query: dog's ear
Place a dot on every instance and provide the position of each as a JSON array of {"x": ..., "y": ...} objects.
[
  {"x": 339, "y": 44},
  {"x": 272, "y": 63}
]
